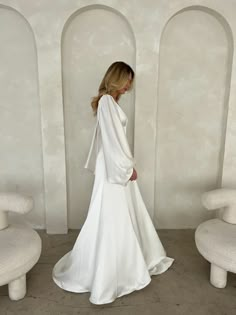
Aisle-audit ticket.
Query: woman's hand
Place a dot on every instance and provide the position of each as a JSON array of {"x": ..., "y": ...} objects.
[{"x": 134, "y": 175}]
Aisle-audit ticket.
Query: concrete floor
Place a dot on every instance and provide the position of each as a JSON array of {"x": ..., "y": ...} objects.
[{"x": 182, "y": 290}]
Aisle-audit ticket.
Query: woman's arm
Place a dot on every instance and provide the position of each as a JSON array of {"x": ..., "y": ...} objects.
[{"x": 118, "y": 158}]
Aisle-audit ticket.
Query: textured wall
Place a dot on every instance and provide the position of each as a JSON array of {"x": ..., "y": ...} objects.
[
  {"x": 21, "y": 167},
  {"x": 182, "y": 117},
  {"x": 88, "y": 48},
  {"x": 191, "y": 115}
]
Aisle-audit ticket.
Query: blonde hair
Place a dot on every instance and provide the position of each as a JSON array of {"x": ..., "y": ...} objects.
[{"x": 115, "y": 78}]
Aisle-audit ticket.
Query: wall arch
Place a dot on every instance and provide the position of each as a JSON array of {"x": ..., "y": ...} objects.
[
  {"x": 20, "y": 119},
  {"x": 93, "y": 38},
  {"x": 194, "y": 83}
]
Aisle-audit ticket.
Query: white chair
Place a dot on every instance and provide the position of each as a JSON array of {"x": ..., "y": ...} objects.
[
  {"x": 20, "y": 245},
  {"x": 216, "y": 239}
]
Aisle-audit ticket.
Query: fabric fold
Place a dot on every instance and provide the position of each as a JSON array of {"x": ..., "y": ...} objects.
[
  {"x": 118, "y": 158},
  {"x": 118, "y": 249}
]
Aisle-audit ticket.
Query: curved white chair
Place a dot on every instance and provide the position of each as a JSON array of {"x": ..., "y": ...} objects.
[
  {"x": 216, "y": 239},
  {"x": 20, "y": 245}
]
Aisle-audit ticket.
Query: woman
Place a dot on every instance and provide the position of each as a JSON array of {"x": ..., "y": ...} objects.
[{"x": 118, "y": 248}]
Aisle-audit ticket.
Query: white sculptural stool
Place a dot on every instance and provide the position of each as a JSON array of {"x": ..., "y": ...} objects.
[
  {"x": 216, "y": 239},
  {"x": 20, "y": 245}
]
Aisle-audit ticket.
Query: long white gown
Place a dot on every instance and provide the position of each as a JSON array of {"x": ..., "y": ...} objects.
[{"x": 117, "y": 250}]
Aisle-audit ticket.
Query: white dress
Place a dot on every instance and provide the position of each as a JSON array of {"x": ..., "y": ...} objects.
[{"x": 117, "y": 249}]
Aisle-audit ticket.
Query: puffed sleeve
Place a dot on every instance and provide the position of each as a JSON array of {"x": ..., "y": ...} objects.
[{"x": 118, "y": 158}]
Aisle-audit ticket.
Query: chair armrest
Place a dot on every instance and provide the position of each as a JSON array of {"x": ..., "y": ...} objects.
[
  {"x": 222, "y": 198},
  {"x": 14, "y": 202}
]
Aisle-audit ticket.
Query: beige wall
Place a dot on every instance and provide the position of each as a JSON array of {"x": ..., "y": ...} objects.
[
  {"x": 21, "y": 167},
  {"x": 87, "y": 50},
  {"x": 195, "y": 63},
  {"x": 182, "y": 120}
]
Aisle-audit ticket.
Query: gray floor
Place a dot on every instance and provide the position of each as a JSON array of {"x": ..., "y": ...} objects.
[{"x": 184, "y": 289}]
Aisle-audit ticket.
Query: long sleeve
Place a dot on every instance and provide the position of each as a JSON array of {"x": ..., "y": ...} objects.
[
  {"x": 91, "y": 159},
  {"x": 118, "y": 158}
]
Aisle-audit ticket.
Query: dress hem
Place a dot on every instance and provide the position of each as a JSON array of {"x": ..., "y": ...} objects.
[{"x": 167, "y": 266}]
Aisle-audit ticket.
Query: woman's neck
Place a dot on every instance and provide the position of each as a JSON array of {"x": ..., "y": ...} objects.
[{"x": 116, "y": 96}]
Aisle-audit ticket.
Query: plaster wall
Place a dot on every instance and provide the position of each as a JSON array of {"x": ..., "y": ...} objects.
[{"x": 181, "y": 112}]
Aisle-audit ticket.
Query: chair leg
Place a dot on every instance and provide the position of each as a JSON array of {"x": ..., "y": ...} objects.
[
  {"x": 218, "y": 277},
  {"x": 17, "y": 288}
]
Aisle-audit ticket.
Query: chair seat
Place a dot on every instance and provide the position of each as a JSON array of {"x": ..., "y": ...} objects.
[
  {"x": 216, "y": 241},
  {"x": 20, "y": 249}
]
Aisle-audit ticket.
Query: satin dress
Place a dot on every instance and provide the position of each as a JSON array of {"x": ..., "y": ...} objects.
[{"x": 118, "y": 249}]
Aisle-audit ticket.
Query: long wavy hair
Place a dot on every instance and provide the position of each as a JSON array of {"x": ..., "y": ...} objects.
[{"x": 115, "y": 78}]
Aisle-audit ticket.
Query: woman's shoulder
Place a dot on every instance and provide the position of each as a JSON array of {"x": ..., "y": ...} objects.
[{"x": 107, "y": 99}]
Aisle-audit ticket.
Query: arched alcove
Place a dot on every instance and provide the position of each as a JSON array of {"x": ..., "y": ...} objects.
[
  {"x": 194, "y": 79},
  {"x": 93, "y": 38},
  {"x": 20, "y": 123}
]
